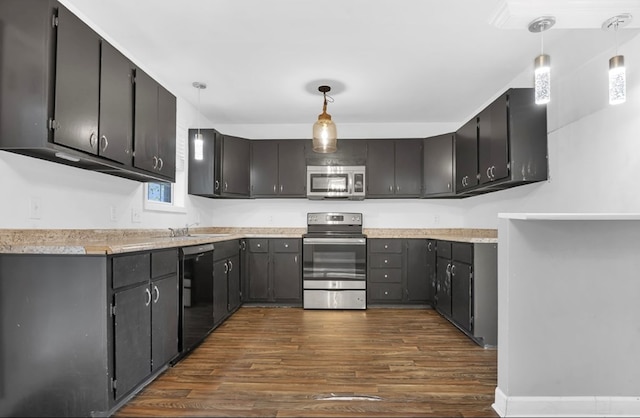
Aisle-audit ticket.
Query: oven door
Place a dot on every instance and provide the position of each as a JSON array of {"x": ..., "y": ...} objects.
[{"x": 334, "y": 259}]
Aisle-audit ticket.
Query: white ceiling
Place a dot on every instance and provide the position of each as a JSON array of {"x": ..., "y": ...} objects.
[{"x": 387, "y": 61}]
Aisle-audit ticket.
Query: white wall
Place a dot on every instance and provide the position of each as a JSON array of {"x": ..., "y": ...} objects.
[{"x": 594, "y": 150}]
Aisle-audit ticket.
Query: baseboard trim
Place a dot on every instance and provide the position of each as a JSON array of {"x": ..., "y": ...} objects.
[{"x": 566, "y": 406}]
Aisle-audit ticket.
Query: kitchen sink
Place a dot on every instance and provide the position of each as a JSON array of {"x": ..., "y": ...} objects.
[{"x": 208, "y": 235}]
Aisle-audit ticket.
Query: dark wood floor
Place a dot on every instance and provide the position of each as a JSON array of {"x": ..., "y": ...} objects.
[{"x": 282, "y": 362}]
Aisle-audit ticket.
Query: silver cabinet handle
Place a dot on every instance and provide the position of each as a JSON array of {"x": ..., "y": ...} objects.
[
  {"x": 157, "y": 292},
  {"x": 161, "y": 163},
  {"x": 448, "y": 269},
  {"x": 386, "y": 261},
  {"x": 230, "y": 265},
  {"x": 386, "y": 246},
  {"x": 274, "y": 188},
  {"x": 105, "y": 142},
  {"x": 148, "y": 297},
  {"x": 429, "y": 246},
  {"x": 155, "y": 162},
  {"x": 489, "y": 172},
  {"x": 226, "y": 267},
  {"x": 216, "y": 184},
  {"x": 453, "y": 270},
  {"x": 448, "y": 186},
  {"x": 259, "y": 245},
  {"x": 226, "y": 186},
  {"x": 286, "y": 245},
  {"x": 391, "y": 188},
  {"x": 281, "y": 188},
  {"x": 243, "y": 245},
  {"x": 93, "y": 140},
  {"x": 295, "y": 259}
]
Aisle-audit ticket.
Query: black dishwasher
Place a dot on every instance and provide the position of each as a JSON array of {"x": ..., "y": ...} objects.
[{"x": 196, "y": 288}]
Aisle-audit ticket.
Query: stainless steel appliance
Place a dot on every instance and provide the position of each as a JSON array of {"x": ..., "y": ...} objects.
[
  {"x": 196, "y": 277},
  {"x": 334, "y": 268},
  {"x": 345, "y": 182}
]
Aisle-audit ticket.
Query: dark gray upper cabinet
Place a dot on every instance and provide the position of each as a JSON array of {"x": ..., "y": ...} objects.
[
  {"x": 394, "y": 168},
  {"x": 154, "y": 134},
  {"x": 504, "y": 146},
  {"x": 77, "y": 84},
  {"x": 278, "y": 168},
  {"x": 201, "y": 180},
  {"x": 116, "y": 106},
  {"x": 466, "y": 152},
  {"x": 438, "y": 161},
  {"x": 232, "y": 169},
  {"x": 66, "y": 94}
]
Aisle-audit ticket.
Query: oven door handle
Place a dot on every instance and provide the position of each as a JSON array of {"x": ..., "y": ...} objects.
[{"x": 334, "y": 241}]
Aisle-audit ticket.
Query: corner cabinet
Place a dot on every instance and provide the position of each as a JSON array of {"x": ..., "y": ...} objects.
[
  {"x": 438, "y": 174},
  {"x": 223, "y": 170},
  {"x": 466, "y": 288},
  {"x": 68, "y": 96},
  {"x": 109, "y": 325},
  {"x": 504, "y": 146},
  {"x": 396, "y": 271}
]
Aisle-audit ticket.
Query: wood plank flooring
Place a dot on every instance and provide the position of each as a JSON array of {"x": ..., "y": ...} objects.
[{"x": 281, "y": 362}]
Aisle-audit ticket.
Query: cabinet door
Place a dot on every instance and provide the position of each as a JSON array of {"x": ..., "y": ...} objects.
[
  {"x": 146, "y": 122},
  {"x": 164, "y": 321},
  {"x": 443, "y": 290},
  {"x": 77, "y": 84},
  {"x": 264, "y": 168},
  {"x": 461, "y": 294},
  {"x": 287, "y": 279},
  {"x": 258, "y": 276},
  {"x": 467, "y": 155},
  {"x": 493, "y": 141},
  {"x": 438, "y": 166},
  {"x": 166, "y": 134},
  {"x": 201, "y": 172},
  {"x": 417, "y": 280},
  {"x": 408, "y": 167},
  {"x": 233, "y": 284},
  {"x": 292, "y": 169},
  {"x": 380, "y": 168},
  {"x": 220, "y": 290},
  {"x": 132, "y": 337},
  {"x": 235, "y": 166},
  {"x": 431, "y": 271},
  {"x": 116, "y": 106}
]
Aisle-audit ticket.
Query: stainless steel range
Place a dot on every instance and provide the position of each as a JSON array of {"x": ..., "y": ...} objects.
[{"x": 334, "y": 252}]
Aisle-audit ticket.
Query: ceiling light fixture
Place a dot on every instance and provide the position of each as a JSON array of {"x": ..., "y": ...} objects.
[
  {"x": 542, "y": 63},
  {"x": 198, "y": 141},
  {"x": 325, "y": 134},
  {"x": 617, "y": 74}
]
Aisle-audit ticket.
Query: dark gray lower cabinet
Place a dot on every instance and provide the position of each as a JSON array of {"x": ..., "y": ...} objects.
[
  {"x": 431, "y": 271},
  {"x": 467, "y": 291},
  {"x": 397, "y": 271},
  {"x": 273, "y": 270},
  {"x": 226, "y": 279},
  {"x": 145, "y": 311}
]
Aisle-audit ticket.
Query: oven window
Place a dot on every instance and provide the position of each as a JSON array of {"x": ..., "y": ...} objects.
[
  {"x": 329, "y": 182},
  {"x": 334, "y": 262}
]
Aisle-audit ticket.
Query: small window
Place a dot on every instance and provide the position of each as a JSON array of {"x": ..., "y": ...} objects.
[{"x": 160, "y": 193}]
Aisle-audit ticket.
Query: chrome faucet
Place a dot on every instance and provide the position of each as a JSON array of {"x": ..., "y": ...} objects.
[
  {"x": 181, "y": 232},
  {"x": 187, "y": 226}
]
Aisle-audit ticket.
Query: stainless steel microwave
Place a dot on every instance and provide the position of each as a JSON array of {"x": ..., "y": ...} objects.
[{"x": 332, "y": 181}]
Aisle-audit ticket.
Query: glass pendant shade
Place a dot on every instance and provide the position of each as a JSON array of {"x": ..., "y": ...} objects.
[
  {"x": 325, "y": 134},
  {"x": 617, "y": 80},
  {"x": 542, "y": 79},
  {"x": 198, "y": 147}
]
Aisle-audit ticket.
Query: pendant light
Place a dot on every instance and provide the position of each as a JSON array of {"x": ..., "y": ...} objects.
[
  {"x": 617, "y": 74},
  {"x": 325, "y": 134},
  {"x": 542, "y": 63},
  {"x": 198, "y": 141}
]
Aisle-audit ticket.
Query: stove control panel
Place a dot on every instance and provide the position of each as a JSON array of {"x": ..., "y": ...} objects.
[{"x": 334, "y": 218}]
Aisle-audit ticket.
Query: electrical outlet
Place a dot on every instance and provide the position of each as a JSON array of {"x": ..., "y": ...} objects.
[
  {"x": 113, "y": 215},
  {"x": 135, "y": 215},
  {"x": 35, "y": 208},
  {"x": 436, "y": 219}
]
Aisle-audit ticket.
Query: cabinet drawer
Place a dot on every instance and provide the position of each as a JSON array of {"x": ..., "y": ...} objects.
[
  {"x": 385, "y": 261},
  {"x": 385, "y": 245},
  {"x": 130, "y": 269},
  {"x": 259, "y": 245},
  {"x": 385, "y": 275},
  {"x": 164, "y": 263},
  {"x": 462, "y": 252},
  {"x": 225, "y": 249},
  {"x": 444, "y": 249},
  {"x": 285, "y": 245},
  {"x": 385, "y": 291}
]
